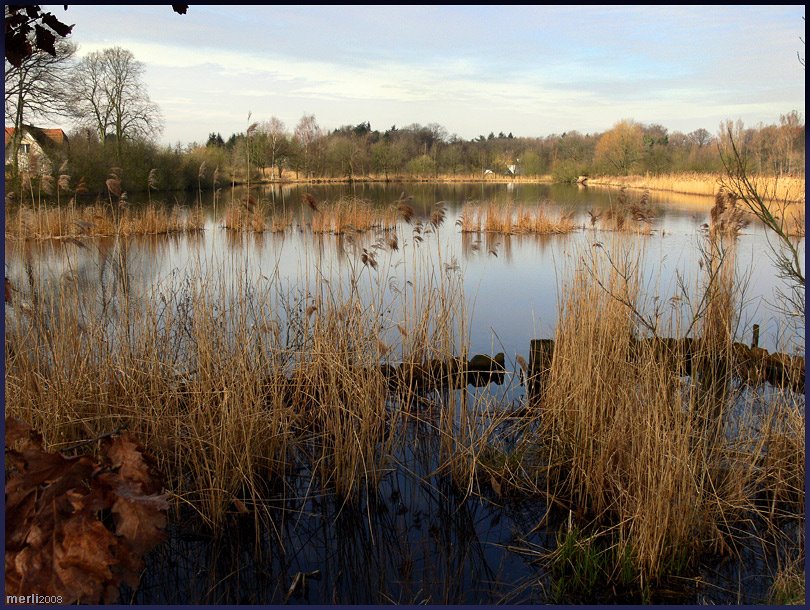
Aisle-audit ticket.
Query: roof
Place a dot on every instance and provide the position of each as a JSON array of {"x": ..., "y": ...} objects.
[{"x": 52, "y": 137}]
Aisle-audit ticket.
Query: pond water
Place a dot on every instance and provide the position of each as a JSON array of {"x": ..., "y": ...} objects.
[
  {"x": 418, "y": 540},
  {"x": 511, "y": 283}
]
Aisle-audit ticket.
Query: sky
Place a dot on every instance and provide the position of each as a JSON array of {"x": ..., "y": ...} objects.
[{"x": 531, "y": 71}]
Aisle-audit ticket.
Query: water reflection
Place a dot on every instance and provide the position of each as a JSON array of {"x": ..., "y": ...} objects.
[
  {"x": 511, "y": 280},
  {"x": 418, "y": 539}
]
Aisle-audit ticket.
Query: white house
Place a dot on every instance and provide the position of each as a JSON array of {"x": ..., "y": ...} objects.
[{"x": 41, "y": 150}]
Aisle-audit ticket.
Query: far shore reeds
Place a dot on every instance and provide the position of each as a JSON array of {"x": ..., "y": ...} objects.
[{"x": 782, "y": 188}]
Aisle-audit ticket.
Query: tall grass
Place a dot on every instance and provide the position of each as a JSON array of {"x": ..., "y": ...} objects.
[
  {"x": 641, "y": 453},
  {"x": 228, "y": 380},
  {"x": 350, "y": 215},
  {"x": 98, "y": 220},
  {"x": 513, "y": 219}
]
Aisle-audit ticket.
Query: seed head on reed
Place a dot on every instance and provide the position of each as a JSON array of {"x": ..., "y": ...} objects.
[
  {"x": 46, "y": 183},
  {"x": 114, "y": 186},
  {"x": 622, "y": 198},
  {"x": 438, "y": 214},
  {"x": 81, "y": 188},
  {"x": 719, "y": 205},
  {"x": 311, "y": 201},
  {"x": 152, "y": 180},
  {"x": 406, "y": 212},
  {"x": 727, "y": 216},
  {"x": 645, "y": 198},
  {"x": 368, "y": 259},
  {"x": 201, "y": 171}
]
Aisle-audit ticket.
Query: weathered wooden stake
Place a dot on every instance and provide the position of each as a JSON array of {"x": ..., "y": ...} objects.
[{"x": 755, "y": 338}]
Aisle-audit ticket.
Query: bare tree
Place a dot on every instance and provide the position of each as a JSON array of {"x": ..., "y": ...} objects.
[
  {"x": 307, "y": 132},
  {"x": 764, "y": 200},
  {"x": 35, "y": 89},
  {"x": 621, "y": 148},
  {"x": 276, "y": 134},
  {"x": 108, "y": 94}
]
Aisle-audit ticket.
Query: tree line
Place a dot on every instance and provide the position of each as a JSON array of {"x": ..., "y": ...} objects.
[{"x": 117, "y": 125}]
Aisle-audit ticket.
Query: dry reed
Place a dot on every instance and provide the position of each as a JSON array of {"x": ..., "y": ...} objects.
[
  {"x": 510, "y": 219},
  {"x": 634, "y": 449},
  {"x": 228, "y": 385},
  {"x": 100, "y": 221},
  {"x": 346, "y": 215},
  {"x": 784, "y": 187}
]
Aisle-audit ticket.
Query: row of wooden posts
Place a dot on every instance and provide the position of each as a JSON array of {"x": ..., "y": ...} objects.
[{"x": 748, "y": 363}]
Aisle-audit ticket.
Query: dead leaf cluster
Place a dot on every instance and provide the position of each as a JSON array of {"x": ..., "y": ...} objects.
[{"x": 77, "y": 527}]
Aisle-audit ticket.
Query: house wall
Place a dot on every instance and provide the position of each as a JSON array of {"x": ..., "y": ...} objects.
[{"x": 35, "y": 155}]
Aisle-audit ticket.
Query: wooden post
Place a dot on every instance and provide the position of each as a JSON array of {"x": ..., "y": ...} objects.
[
  {"x": 755, "y": 338},
  {"x": 541, "y": 352}
]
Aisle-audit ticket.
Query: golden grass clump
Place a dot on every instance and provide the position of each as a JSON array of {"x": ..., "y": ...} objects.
[
  {"x": 509, "y": 219},
  {"x": 229, "y": 386},
  {"x": 246, "y": 215},
  {"x": 625, "y": 443},
  {"x": 347, "y": 214},
  {"x": 100, "y": 220}
]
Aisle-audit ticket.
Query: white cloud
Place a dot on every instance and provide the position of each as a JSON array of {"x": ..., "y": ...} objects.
[{"x": 540, "y": 73}]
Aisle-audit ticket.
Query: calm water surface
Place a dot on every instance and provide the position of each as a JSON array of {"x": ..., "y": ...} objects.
[{"x": 511, "y": 283}]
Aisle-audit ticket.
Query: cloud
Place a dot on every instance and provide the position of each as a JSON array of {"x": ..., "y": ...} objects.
[{"x": 553, "y": 68}]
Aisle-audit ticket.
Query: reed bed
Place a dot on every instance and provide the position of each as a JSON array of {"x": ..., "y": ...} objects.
[
  {"x": 250, "y": 215},
  {"x": 642, "y": 456},
  {"x": 783, "y": 188},
  {"x": 626, "y": 214},
  {"x": 350, "y": 215},
  {"x": 510, "y": 219},
  {"x": 99, "y": 220},
  {"x": 230, "y": 382}
]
